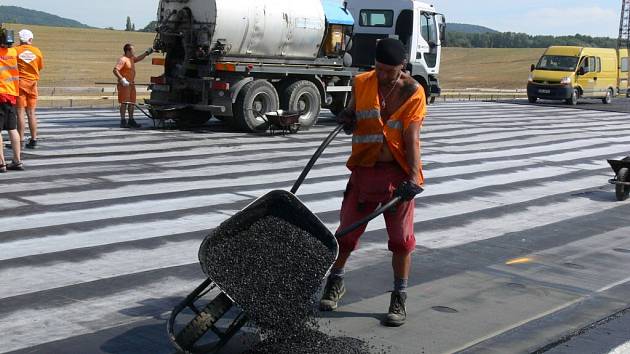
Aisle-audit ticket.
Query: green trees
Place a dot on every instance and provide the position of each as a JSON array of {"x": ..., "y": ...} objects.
[{"x": 523, "y": 40}]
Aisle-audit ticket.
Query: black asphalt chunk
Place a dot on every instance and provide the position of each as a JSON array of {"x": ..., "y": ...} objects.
[{"x": 273, "y": 271}]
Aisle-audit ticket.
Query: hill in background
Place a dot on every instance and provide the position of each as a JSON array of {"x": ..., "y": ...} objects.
[
  {"x": 14, "y": 14},
  {"x": 466, "y": 28}
]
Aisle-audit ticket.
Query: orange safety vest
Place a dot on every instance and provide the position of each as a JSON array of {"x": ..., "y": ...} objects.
[
  {"x": 9, "y": 74},
  {"x": 371, "y": 132},
  {"x": 30, "y": 61}
]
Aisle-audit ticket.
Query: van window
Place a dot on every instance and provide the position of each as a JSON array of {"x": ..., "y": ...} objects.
[
  {"x": 598, "y": 64},
  {"x": 376, "y": 18},
  {"x": 624, "y": 64},
  {"x": 589, "y": 64},
  {"x": 557, "y": 63}
]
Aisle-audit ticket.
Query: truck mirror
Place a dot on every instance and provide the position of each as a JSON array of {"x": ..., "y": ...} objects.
[
  {"x": 581, "y": 71},
  {"x": 532, "y": 68}
]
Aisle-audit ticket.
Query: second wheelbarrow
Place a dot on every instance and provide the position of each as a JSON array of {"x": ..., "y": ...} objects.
[{"x": 622, "y": 177}]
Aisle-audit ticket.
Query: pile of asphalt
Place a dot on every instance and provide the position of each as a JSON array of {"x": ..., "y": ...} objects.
[{"x": 273, "y": 271}]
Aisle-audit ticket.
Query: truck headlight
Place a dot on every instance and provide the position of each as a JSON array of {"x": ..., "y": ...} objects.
[
  {"x": 530, "y": 78},
  {"x": 565, "y": 81}
]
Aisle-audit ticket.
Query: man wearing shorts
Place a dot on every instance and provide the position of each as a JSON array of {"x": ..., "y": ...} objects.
[
  {"x": 125, "y": 72},
  {"x": 9, "y": 91},
  {"x": 30, "y": 63},
  {"x": 384, "y": 116}
]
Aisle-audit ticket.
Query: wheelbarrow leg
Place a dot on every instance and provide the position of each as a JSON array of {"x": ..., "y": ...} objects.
[{"x": 622, "y": 191}]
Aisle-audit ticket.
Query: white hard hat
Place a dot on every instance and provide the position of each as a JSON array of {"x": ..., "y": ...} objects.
[{"x": 25, "y": 35}]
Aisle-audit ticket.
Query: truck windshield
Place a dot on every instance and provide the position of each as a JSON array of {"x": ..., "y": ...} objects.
[{"x": 557, "y": 63}]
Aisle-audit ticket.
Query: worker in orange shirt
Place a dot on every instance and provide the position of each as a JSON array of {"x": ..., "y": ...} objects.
[
  {"x": 9, "y": 91},
  {"x": 125, "y": 72},
  {"x": 30, "y": 63},
  {"x": 384, "y": 116}
]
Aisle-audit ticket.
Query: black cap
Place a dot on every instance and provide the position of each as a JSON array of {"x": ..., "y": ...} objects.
[{"x": 390, "y": 51}]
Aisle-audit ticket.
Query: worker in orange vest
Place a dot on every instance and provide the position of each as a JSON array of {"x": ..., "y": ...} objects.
[
  {"x": 9, "y": 91},
  {"x": 125, "y": 72},
  {"x": 30, "y": 63},
  {"x": 384, "y": 115}
]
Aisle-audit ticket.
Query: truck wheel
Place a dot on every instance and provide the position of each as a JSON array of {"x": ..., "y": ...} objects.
[
  {"x": 573, "y": 99},
  {"x": 255, "y": 99},
  {"x": 622, "y": 191},
  {"x": 303, "y": 96},
  {"x": 532, "y": 99},
  {"x": 608, "y": 98}
]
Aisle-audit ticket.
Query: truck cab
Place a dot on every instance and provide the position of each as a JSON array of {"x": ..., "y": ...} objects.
[{"x": 415, "y": 23}]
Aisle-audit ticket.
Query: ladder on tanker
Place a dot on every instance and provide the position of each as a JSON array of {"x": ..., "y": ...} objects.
[{"x": 623, "y": 41}]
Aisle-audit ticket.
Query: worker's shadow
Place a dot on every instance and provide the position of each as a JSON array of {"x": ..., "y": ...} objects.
[{"x": 349, "y": 314}]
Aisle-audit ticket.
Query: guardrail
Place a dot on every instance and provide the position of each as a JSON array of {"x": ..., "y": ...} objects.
[{"x": 103, "y": 97}]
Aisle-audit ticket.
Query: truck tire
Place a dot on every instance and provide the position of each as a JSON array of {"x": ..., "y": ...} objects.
[
  {"x": 574, "y": 98},
  {"x": 303, "y": 96},
  {"x": 621, "y": 191},
  {"x": 255, "y": 99},
  {"x": 532, "y": 99},
  {"x": 608, "y": 98}
]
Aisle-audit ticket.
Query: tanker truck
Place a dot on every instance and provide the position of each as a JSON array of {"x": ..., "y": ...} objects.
[{"x": 238, "y": 59}]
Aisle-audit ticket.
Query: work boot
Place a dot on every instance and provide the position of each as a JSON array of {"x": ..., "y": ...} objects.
[
  {"x": 123, "y": 123},
  {"x": 397, "y": 312},
  {"x": 133, "y": 124},
  {"x": 3, "y": 168},
  {"x": 333, "y": 292},
  {"x": 32, "y": 144}
]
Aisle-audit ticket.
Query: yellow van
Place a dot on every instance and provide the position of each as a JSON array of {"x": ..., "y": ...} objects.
[
  {"x": 623, "y": 73},
  {"x": 568, "y": 73}
]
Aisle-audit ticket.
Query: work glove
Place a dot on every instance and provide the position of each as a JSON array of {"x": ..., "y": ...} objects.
[
  {"x": 408, "y": 190},
  {"x": 124, "y": 82},
  {"x": 148, "y": 51},
  {"x": 349, "y": 120}
]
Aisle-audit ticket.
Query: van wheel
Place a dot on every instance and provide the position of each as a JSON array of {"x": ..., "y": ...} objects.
[
  {"x": 303, "y": 96},
  {"x": 532, "y": 99},
  {"x": 608, "y": 98},
  {"x": 574, "y": 98},
  {"x": 255, "y": 99}
]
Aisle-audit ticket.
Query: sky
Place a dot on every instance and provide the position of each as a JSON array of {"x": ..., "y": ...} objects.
[{"x": 559, "y": 17}]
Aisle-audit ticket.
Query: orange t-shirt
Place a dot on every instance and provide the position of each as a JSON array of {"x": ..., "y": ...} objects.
[
  {"x": 127, "y": 68},
  {"x": 30, "y": 62}
]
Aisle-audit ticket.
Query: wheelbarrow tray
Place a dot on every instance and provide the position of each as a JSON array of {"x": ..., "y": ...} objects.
[
  {"x": 619, "y": 164},
  {"x": 278, "y": 203},
  {"x": 282, "y": 118}
]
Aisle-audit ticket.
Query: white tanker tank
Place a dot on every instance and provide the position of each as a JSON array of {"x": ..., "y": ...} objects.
[{"x": 245, "y": 28}]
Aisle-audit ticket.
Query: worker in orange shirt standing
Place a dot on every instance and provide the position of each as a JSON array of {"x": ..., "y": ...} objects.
[
  {"x": 9, "y": 91},
  {"x": 30, "y": 63},
  {"x": 125, "y": 72}
]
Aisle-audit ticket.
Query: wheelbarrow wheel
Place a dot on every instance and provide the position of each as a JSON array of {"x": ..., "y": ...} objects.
[
  {"x": 622, "y": 191},
  {"x": 198, "y": 326}
]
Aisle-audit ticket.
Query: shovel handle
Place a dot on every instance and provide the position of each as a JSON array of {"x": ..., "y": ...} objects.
[
  {"x": 314, "y": 158},
  {"x": 367, "y": 219}
]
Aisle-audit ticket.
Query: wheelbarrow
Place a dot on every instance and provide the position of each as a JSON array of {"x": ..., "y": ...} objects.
[
  {"x": 622, "y": 177},
  {"x": 285, "y": 121},
  {"x": 278, "y": 203}
]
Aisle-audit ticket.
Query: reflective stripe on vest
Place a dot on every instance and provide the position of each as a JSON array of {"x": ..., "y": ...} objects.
[
  {"x": 370, "y": 114},
  {"x": 367, "y": 139},
  {"x": 395, "y": 124},
  {"x": 3, "y": 68}
]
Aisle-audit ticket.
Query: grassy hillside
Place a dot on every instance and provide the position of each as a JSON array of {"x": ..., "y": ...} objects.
[
  {"x": 81, "y": 57},
  {"x": 14, "y": 14},
  {"x": 486, "y": 67}
]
